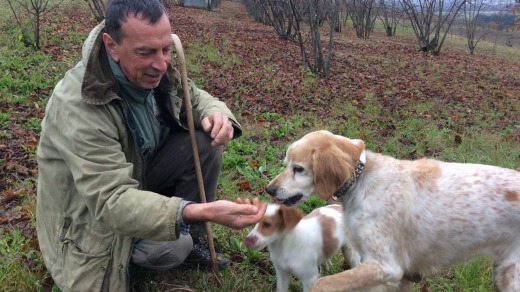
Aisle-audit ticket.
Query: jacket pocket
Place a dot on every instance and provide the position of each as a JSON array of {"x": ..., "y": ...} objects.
[{"x": 85, "y": 257}]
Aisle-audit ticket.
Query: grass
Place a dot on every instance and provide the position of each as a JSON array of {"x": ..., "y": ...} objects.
[
  {"x": 476, "y": 275},
  {"x": 475, "y": 132},
  {"x": 15, "y": 251},
  {"x": 198, "y": 53}
]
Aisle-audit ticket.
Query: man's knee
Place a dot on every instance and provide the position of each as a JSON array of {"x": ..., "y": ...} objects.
[
  {"x": 205, "y": 149},
  {"x": 161, "y": 255}
]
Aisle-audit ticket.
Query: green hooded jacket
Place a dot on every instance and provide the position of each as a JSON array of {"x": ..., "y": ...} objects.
[{"x": 90, "y": 203}]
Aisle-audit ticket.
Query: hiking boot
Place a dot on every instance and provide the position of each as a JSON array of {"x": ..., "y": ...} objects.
[{"x": 200, "y": 257}]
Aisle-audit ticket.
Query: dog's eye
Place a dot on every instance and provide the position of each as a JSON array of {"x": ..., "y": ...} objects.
[
  {"x": 297, "y": 168},
  {"x": 266, "y": 225}
]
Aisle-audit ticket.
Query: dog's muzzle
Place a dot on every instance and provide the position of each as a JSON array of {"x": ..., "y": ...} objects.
[
  {"x": 291, "y": 201},
  {"x": 288, "y": 202}
]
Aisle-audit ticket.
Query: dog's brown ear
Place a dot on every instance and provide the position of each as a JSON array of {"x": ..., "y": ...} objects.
[
  {"x": 334, "y": 164},
  {"x": 331, "y": 168},
  {"x": 290, "y": 215}
]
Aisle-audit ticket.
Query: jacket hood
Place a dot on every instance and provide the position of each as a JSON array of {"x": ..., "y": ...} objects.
[{"x": 99, "y": 85}]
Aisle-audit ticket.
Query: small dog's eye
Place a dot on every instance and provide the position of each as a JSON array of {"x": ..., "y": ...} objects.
[
  {"x": 266, "y": 225},
  {"x": 297, "y": 168}
]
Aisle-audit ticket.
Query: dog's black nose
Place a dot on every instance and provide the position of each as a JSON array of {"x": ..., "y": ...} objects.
[{"x": 270, "y": 190}]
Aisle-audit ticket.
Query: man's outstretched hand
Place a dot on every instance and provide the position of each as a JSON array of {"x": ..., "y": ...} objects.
[{"x": 236, "y": 215}]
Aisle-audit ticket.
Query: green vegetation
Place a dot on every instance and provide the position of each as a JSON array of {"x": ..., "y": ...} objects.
[
  {"x": 18, "y": 254},
  {"x": 197, "y": 54}
]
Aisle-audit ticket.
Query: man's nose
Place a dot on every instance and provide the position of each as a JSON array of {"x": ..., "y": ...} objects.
[{"x": 161, "y": 62}]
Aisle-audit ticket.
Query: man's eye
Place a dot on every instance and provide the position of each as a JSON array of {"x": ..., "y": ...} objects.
[
  {"x": 297, "y": 168},
  {"x": 167, "y": 51}
]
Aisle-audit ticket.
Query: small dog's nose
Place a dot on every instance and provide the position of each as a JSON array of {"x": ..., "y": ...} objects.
[
  {"x": 250, "y": 241},
  {"x": 271, "y": 190}
]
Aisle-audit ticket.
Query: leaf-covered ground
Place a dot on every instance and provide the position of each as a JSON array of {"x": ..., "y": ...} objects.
[{"x": 255, "y": 72}]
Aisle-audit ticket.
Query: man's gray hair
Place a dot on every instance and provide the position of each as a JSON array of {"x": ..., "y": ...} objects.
[{"x": 118, "y": 10}]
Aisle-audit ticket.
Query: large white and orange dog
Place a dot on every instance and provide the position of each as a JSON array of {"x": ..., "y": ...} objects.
[
  {"x": 406, "y": 217},
  {"x": 299, "y": 244}
]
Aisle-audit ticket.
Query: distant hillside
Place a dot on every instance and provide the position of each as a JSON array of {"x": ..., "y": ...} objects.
[{"x": 503, "y": 18}]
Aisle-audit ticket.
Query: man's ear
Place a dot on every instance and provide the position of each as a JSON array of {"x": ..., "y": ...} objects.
[{"x": 111, "y": 46}]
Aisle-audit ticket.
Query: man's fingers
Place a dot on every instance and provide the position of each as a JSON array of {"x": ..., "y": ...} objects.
[
  {"x": 256, "y": 207},
  {"x": 206, "y": 124},
  {"x": 249, "y": 213},
  {"x": 262, "y": 208},
  {"x": 217, "y": 126},
  {"x": 222, "y": 131},
  {"x": 242, "y": 201}
]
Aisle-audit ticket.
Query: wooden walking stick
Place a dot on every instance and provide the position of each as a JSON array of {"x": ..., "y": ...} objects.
[{"x": 196, "y": 158}]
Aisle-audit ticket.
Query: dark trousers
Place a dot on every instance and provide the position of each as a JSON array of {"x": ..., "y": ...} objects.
[
  {"x": 172, "y": 173},
  {"x": 172, "y": 170}
]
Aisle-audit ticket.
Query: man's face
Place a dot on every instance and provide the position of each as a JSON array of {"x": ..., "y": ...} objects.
[{"x": 144, "y": 52}]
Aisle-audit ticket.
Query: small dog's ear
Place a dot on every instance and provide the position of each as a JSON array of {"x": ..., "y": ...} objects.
[{"x": 290, "y": 215}]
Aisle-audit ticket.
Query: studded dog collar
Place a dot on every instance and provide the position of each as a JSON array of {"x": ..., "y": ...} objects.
[{"x": 347, "y": 185}]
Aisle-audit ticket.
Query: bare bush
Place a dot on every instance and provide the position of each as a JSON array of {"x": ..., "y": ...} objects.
[
  {"x": 474, "y": 31},
  {"x": 257, "y": 11},
  {"x": 431, "y": 20},
  {"x": 280, "y": 17},
  {"x": 29, "y": 13},
  {"x": 363, "y": 14},
  {"x": 313, "y": 14},
  {"x": 168, "y": 3},
  {"x": 97, "y": 7},
  {"x": 389, "y": 15},
  {"x": 301, "y": 21}
]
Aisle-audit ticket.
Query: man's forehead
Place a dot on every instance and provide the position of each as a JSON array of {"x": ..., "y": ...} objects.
[{"x": 138, "y": 29}]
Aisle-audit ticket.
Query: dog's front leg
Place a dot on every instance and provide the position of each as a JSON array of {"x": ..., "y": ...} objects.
[
  {"x": 282, "y": 279},
  {"x": 351, "y": 256},
  {"x": 405, "y": 286},
  {"x": 365, "y": 276}
]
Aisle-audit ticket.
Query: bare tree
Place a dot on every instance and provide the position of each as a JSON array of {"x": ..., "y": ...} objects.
[
  {"x": 313, "y": 14},
  {"x": 363, "y": 14},
  {"x": 390, "y": 15},
  {"x": 431, "y": 21},
  {"x": 302, "y": 21},
  {"x": 256, "y": 8},
  {"x": 97, "y": 7},
  {"x": 211, "y": 5},
  {"x": 472, "y": 10},
  {"x": 30, "y": 11},
  {"x": 498, "y": 28},
  {"x": 280, "y": 16}
]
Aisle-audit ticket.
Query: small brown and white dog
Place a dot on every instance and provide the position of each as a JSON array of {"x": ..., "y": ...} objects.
[
  {"x": 406, "y": 217},
  {"x": 300, "y": 245}
]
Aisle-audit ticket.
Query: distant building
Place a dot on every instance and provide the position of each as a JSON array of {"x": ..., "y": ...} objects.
[{"x": 202, "y": 4}]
